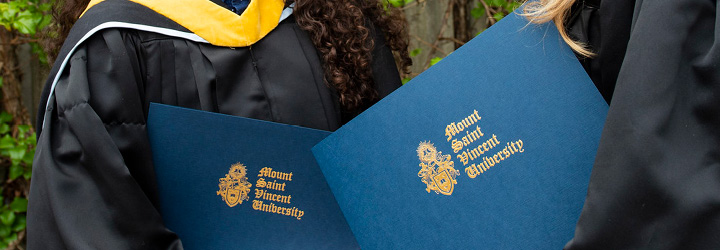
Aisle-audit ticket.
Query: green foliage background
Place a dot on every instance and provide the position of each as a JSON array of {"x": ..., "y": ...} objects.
[
  {"x": 21, "y": 21},
  {"x": 482, "y": 13},
  {"x": 20, "y": 150}
]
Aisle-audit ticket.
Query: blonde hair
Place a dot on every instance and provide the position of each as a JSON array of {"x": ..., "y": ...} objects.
[{"x": 543, "y": 11}]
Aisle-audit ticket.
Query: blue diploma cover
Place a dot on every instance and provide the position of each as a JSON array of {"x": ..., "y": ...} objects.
[
  {"x": 491, "y": 148},
  {"x": 228, "y": 182}
]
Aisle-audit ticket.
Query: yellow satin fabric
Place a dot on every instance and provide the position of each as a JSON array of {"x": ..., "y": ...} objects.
[{"x": 216, "y": 24}]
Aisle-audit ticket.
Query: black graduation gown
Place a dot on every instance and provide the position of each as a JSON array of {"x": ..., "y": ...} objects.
[
  {"x": 656, "y": 179},
  {"x": 606, "y": 32},
  {"x": 93, "y": 183}
]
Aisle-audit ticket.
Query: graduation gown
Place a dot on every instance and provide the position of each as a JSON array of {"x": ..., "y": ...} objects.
[
  {"x": 656, "y": 179},
  {"x": 93, "y": 185}
]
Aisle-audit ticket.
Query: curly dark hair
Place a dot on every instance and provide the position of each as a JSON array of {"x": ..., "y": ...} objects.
[
  {"x": 341, "y": 30},
  {"x": 65, "y": 13}
]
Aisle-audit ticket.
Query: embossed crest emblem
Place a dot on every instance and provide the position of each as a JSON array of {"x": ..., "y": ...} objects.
[
  {"x": 437, "y": 171},
  {"x": 234, "y": 187}
]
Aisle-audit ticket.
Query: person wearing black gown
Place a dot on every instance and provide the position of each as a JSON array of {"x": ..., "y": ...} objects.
[
  {"x": 656, "y": 179},
  {"x": 310, "y": 63}
]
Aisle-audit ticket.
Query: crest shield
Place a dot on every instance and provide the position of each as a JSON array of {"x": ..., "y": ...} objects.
[
  {"x": 436, "y": 170},
  {"x": 233, "y": 195},
  {"x": 443, "y": 182}
]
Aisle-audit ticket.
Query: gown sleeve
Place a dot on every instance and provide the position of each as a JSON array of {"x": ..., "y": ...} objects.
[
  {"x": 656, "y": 179},
  {"x": 93, "y": 181}
]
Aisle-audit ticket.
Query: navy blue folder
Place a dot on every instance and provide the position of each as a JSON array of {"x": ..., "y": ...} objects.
[
  {"x": 228, "y": 182},
  {"x": 491, "y": 148}
]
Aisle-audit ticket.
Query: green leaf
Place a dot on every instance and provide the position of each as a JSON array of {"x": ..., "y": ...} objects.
[
  {"x": 19, "y": 205},
  {"x": 4, "y": 233},
  {"x": 498, "y": 16},
  {"x": 478, "y": 12},
  {"x": 496, "y": 3},
  {"x": 23, "y": 128},
  {"x": 17, "y": 153},
  {"x": 45, "y": 7},
  {"x": 21, "y": 143},
  {"x": 9, "y": 12},
  {"x": 5, "y": 117},
  {"x": 10, "y": 239},
  {"x": 5, "y": 230},
  {"x": 7, "y": 218},
  {"x": 405, "y": 80},
  {"x": 509, "y": 6},
  {"x": 435, "y": 60},
  {"x": 415, "y": 52},
  {"x": 7, "y": 142},
  {"x": 28, "y": 159},
  {"x": 19, "y": 5},
  {"x": 20, "y": 223},
  {"x": 16, "y": 170},
  {"x": 37, "y": 50},
  {"x": 44, "y": 22},
  {"x": 514, "y": 5},
  {"x": 26, "y": 22},
  {"x": 28, "y": 173},
  {"x": 1, "y": 81},
  {"x": 4, "y": 128},
  {"x": 397, "y": 3}
]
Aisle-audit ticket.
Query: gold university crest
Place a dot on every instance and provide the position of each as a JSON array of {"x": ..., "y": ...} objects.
[
  {"x": 234, "y": 187},
  {"x": 436, "y": 170}
]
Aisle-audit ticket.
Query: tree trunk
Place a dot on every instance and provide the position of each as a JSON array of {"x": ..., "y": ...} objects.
[
  {"x": 460, "y": 22},
  {"x": 11, "y": 95}
]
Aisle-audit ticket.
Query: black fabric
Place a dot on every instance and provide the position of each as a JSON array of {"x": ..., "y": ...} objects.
[
  {"x": 605, "y": 28},
  {"x": 656, "y": 179},
  {"x": 93, "y": 181},
  {"x": 105, "y": 11}
]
